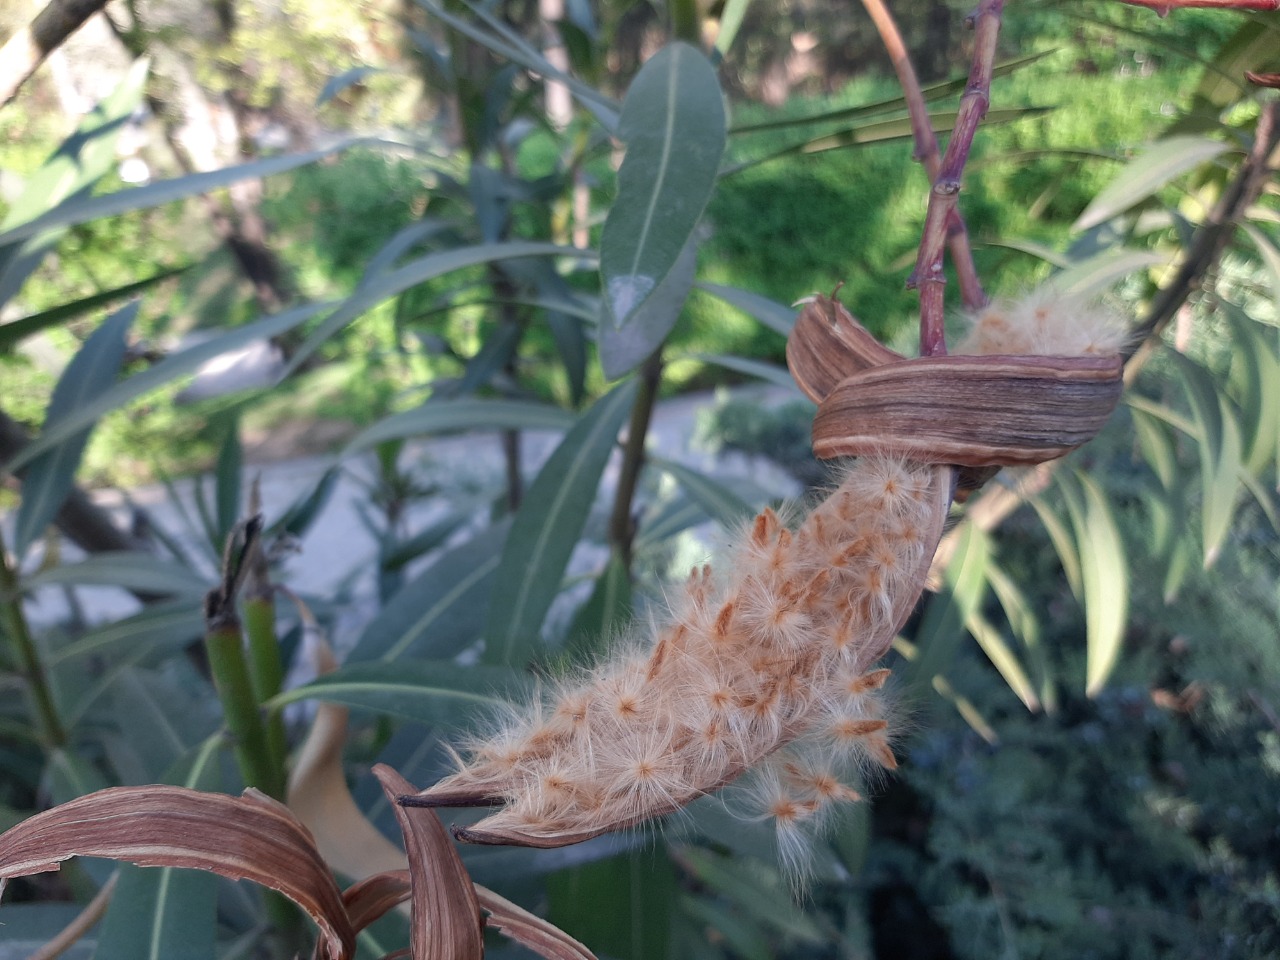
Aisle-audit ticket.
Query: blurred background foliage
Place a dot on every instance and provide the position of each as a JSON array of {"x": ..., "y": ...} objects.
[{"x": 1095, "y": 775}]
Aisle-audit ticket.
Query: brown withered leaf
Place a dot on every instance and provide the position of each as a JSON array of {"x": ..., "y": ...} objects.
[
  {"x": 543, "y": 938},
  {"x": 250, "y": 837},
  {"x": 319, "y": 796},
  {"x": 446, "y": 921}
]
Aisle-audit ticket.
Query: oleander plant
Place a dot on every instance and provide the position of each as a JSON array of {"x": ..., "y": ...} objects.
[{"x": 1004, "y": 681}]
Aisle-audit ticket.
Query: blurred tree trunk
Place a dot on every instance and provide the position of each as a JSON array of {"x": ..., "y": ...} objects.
[
  {"x": 206, "y": 133},
  {"x": 23, "y": 53}
]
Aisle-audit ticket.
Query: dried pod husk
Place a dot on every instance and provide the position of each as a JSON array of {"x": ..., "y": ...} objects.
[
  {"x": 972, "y": 411},
  {"x": 827, "y": 344}
]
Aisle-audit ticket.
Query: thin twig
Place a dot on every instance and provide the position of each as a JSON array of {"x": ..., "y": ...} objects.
[
  {"x": 622, "y": 523},
  {"x": 78, "y": 927},
  {"x": 927, "y": 152},
  {"x": 14, "y": 623},
  {"x": 928, "y": 275}
]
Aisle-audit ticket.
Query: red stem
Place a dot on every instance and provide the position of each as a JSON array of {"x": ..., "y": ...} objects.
[
  {"x": 928, "y": 275},
  {"x": 927, "y": 150}
]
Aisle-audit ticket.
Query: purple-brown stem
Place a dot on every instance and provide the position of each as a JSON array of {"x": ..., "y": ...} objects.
[
  {"x": 929, "y": 276},
  {"x": 927, "y": 152}
]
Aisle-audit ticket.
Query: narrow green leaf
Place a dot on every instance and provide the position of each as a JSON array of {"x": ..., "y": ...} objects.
[
  {"x": 131, "y": 570},
  {"x": 460, "y": 414},
  {"x": 730, "y": 21},
  {"x": 769, "y": 372},
  {"x": 1064, "y": 544},
  {"x": 15, "y": 331},
  {"x": 1003, "y": 659},
  {"x": 375, "y": 288},
  {"x": 170, "y": 368},
  {"x": 226, "y": 476},
  {"x": 606, "y": 612},
  {"x": 757, "y": 892},
  {"x": 720, "y": 503},
  {"x": 1094, "y": 275},
  {"x": 165, "y": 191},
  {"x": 1267, "y": 250},
  {"x": 776, "y": 316},
  {"x": 942, "y": 625},
  {"x": 435, "y": 692},
  {"x": 441, "y": 611},
  {"x": 348, "y": 78},
  {"x": 547, "y": 527},
  {"x": 171, "y": 623},
  {"x": 673, "y": 125},
  {"x": 1152, "y": 169},
  {"x": 1022, "y": 620},
  {"x": 623, "y": 348},
  {"x": 640, "y": 885},
  {"x": 1259, "y": 362},
  {"x": 1104, "y": 577},
  {"x": 50, "y": 477},
  {"x": 1221, "y": 453},
  {"x": 512, "y": 48}
]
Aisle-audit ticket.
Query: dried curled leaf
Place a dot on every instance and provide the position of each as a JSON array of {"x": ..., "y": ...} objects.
[
  {"x": 250, "y": 837},
  {"x": 446, "y": 922}
]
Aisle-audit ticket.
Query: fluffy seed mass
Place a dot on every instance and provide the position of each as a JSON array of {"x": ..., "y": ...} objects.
[{"x": 773, "y": 658}]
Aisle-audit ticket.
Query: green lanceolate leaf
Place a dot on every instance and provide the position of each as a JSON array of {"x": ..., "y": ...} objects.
[
  {"x": 429, "y": 691},
  {"x": 463, "y": 413},
  {"x": 779, "y": 376},
  {"x": 1104, "y": 575},
  {"x": 730, "y": 20},
  {"x": 1260, "y": 389},
  {"x": 606, "y": 611},
  {"x": 73, "y": 212},
  {"x": 776, "y": 316},
  {"x": 547, "y": 527},
  {"x": 673, "y": 124},
  {"x": 441, "y": 611},
  {"x": 720, "y": 503},
  {"x": 79, "y": 163},
  {"x": 131, "y": 570},
  {"x": 624, "y": 348},
  {"x": 1155, "y": 167},
  {"x": 373, "y": 289},
  {"x": 1090, "y": 277},
  {"x": 169, "y": 369},
  {"x": 50, "y": 477},
  {"x": 942, "y": 625}
]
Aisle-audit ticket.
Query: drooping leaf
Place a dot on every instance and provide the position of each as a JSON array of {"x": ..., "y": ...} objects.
[
  {"x": 623, "y": 348},
  {"x": 226, "y": 475},
  {"x": 170, "y": 623},
  {"x": 249, "y": 837},
  {"x": 942, "y": 625},
  {"x": 437, "y": 692},
  {"x": 50, "y": 477},
  {"x": 720, "y": 503},
  {"x": 643, "y": 885},
  {"x": 547, "y": 527},
  {"x": 442, "y": 610},
  {"x": 373, "y": 289},
  {"x": 69, "y": 174},
  {"x": 1259, "y": 361},
  {"x": 348, "y": 78},
  {"x": 1152, "y": 169},
  {"x": 606, "y": 611},
  {"x": 1024, "y": 623},
  {"x": 1003, "y": 659},
  {"x": 131, "y": 570},
  {"x": 461, "y": 413},
  {"x": 673, "y": 125},
  {"x": 169, "y": 369},
  {"x": 15, "y": 331},
  {"x": 769, "y": 372},
  {"x": 1104, "y": 569},
  {"x": 776, "y": 316},
  {"x": 75, "y": 212}
]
